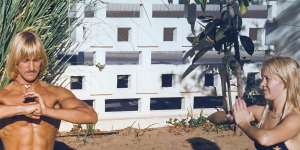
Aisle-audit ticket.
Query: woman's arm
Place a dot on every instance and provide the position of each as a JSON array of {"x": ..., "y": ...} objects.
[{"x": 288, "y": 128}]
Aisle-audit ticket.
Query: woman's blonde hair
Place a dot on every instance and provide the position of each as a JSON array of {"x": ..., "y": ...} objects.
[
  {"x": 25, "y": 44},
  {"x": 287, "y": 69}
]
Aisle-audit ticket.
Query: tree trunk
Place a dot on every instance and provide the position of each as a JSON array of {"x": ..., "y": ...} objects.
[
  {"x": 222, "y": 73},
  {"x": 239, "y": 80}
]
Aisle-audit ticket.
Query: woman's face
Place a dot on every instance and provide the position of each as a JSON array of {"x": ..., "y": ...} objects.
[{"x": 272, "y": 86}]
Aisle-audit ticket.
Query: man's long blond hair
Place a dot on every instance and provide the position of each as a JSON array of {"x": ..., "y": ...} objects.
[
  {"x": 25, "y": 44},
  {"x": 288, "y": 70}
]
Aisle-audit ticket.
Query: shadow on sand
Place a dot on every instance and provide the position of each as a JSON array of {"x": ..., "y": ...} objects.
[
  {"x": 203, "y": 144},
  {"x": 58, "y": 146}
]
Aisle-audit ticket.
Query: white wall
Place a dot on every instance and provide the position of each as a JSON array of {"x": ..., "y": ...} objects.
[{"x": 145, "y": 78}]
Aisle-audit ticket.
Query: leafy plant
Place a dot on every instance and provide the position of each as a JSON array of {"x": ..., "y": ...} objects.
[
  {"x": 49, "y": 19},
  {"x": 176, "y": 122},
  {"x": 189, "y": 121},
  {"x": 221, "y": 34},
  {"x": 198, "y": 122},
  {"x": 90, "y": 130}
]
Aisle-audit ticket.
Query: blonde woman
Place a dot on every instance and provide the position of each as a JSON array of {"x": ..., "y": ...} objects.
[{"x": 279, "y": 120}]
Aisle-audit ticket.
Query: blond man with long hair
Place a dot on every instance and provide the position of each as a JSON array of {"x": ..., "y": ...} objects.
[
  {"x": 279, "y": 121},
  {"x": 30, "y": 109}
]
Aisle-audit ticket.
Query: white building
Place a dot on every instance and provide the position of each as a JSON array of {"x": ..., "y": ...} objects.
[
  {"x": 130, "y": 62},
  {"x": 283, "y": 28}
]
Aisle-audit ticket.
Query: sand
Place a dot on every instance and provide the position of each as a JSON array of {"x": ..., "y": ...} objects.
[{"x": 168, "y": 138}]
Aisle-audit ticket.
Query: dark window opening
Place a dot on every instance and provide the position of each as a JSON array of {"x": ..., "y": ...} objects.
[
  {"x": 251, "y": 79},
  {"x": 169, "y": 34},
  {"x": 123, "y": 34},
  {"x": 166, "y": 80},
  {"x": 208, "y": 101},
  {"x": 167, "y": 57},
  {"x": 123, "y": 14},
  {"x": 209, "y": 79},
  {"x": 253, "y": 32},
  {"x": 253, "y": 94},
  {"x": 89, "y": 12},
  {"x": 123, "y": 10},
  {"x": 113, "y": 105},
  {"x": 122, "y": 58},
  {"x": 122, "y": 81},
  {"x": 214, "y": 2},
  {"x": 76, "y": 82},
  {"x": 165, "y": 103},
  {"x": 82, "y": 58},
  {"x": 183, "y": 2},
  {"x": 89, "y": 102}
]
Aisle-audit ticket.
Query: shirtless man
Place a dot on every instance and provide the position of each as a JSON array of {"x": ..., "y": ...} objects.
[{"x": 30, "y": 109}]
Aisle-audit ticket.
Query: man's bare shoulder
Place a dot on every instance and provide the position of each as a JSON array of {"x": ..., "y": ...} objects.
[
  {"x": 57, "y": 90},
  {"x": 6, "y": 92}
]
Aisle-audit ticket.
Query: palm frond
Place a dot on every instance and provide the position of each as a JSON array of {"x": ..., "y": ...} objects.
[{"x": 48, "y": 18}]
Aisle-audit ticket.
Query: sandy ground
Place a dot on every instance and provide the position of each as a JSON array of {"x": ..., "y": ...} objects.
[{"x": 168, "y": 138}]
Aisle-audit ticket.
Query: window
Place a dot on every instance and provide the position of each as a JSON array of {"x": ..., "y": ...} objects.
[
  {"x": 183, "y": 2},
  {"x": 208, "y": 101},
  {"x": 169, "y": 34},
  {"x": 122, "y": 81},
  {"x": 89, "y": 102},
  {"x": 253, "y": 33},
  {"x": 122, "y": 58},
  {"x": 166, "y": 80},
  {"x": 167, "y": 57},
  {"x": 89, "y": 12},
  {"x": 84, "y": 58},
  {"x": 76, "y": 82},
  {"x": 123, "y": 34},
  {"x": 214, "y": 2},
  {"x": 88, "y": 58},
  {"x": 209, "y": 79},
  {"x": 84, "y": 34},
  {"x": 251, "y": 79},
  {"x": 165, "y": 103},
  {"x": 123, "y": 10},
  {"x": 113, "y": 105},
  {"x": 169, "y": 11}
]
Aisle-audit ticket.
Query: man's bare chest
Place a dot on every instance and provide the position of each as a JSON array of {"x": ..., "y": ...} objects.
[{"x": 49, "y": 99}]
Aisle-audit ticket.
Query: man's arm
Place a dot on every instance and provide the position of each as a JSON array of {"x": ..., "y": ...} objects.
[
  {"x": 72, "y": 109},
  {"x": 7, "y": 111}
]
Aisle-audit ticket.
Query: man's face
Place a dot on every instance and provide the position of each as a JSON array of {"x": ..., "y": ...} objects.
[{"x": 29, "y": 69}]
